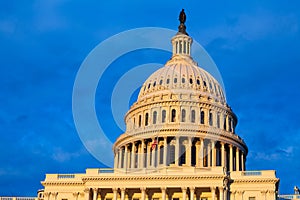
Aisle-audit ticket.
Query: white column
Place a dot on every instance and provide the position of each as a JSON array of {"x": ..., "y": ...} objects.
[
  {"x": 237, "y": 159},
  {"x": 95, "y": 193},
  {"x": 221, "y": 191},
  {"x": 165, "y": 151},
  {"x": 213, "y": 193},
  {"x": 225, "y": 194},
  {"x": 213, "y": 153},
  {"x": 177, "y": 146},
  {"x": 192, "y": 192},
  {"x": 197, "y": 154},
  {"x": 163, "y": 193},
  {"x": 243, "y": 161},
  {"x": 201, "y": 152},
  {"x": 133, "y": 156},
  {"x": 158, "y": 155},
  {"x": 183, "y": 189},
  {"x": 86, "y": 194},
  {"x": 122, "y": 193},
  {"x": 230, "y": 158},
  {"x": 223, "y": 154},
  {"x": 142, "y": 155},
  {"x": 120, "y": 157},
  {"x": 115, "y": 193},
  {"x": 148, "y": 154},
  {"x": 153, "y": 155},
  {"x": 126, "y": 157},
  {"x": 188, "y": 152},
  {"x": 143, "y": 191},
  {"x": 208, "y": 155},
  {"x": 116, "y": 154}
]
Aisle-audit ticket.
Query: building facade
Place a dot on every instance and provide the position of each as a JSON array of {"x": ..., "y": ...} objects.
[{"x": 180, "y": 143}]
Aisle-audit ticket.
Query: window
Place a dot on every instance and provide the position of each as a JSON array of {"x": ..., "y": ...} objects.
[
  {"x": 191, "y": 81},
  {"x": 204, "y": 83},
  {"x": 224, "y": 126},
  {"x": 218, "y": 120},
  {"x": 198, "y": 82},
  {"x": 210, "y": 118},
  {"x": 160, "y": 82},
  {"x": 251, "y": 198},
  {"x": 154, "y": 117},
  {"x": 175, "y": 80},
  {"x": 163, "y": 116},
  {"x": 149, "y": 85},
  {"x": 183, "y": 115},
  {"x": 168, "y": 81},
  {"x": 140, "y": 120},
  {"x": 161, "y": 154},
  {"x": 146, "y": 119},
  {"x": 180, "y": 47},
  {"x": 184, "y": 46},
  {"x": 193, "y": 116},
  {"x": 172, "y": 154},
  {"x": 202, "y": 117},
  {"x": 154, "y": 84},
  {"x": 173, "y": 115},
  {"x": 229, "y": 124},
  {"x": 183, "y": 80}
]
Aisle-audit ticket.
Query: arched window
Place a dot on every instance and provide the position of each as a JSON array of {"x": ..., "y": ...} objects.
[
  {"x": 154, "y": 84},
  {"x": 163, "y": 116},
  {"x": 172, "y": 154},
  {"x": 210, "y": 118},
  {"x": 146, "y": 119},
  {"x": 154, "y": 117},
  {"x": 180, "y": 46},
  {"x": 168, "y": 81},
  {"x": 193, "y": 116},
  {"x": 202, "y": 117},
  {"x": 229, "y": 124},
  {"x": 173, "y": 115},
  {"x": 198, "y": 82},
  {"x": 184, "y": 46},
  {"x": 183, "y": 115},
  {"x": 175, "y": 80},
  {"x": 140, "y": 120},
  {"x": 160, "y": 82},
  {"x": 183, "y": 80},
  {"x": 191, "y": 81},
  {"x": 224, "y": 126}
]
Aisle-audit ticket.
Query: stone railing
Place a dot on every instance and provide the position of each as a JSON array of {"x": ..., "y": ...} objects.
[{"x": 18, "y": 198}]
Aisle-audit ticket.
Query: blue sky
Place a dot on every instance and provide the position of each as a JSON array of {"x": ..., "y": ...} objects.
[{"x": 255, "y": 45}]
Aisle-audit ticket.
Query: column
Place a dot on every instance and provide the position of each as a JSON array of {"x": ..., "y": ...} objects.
[
  {"x": 87, "y": 193},
  {"x": 213, "y": 193},
  {"x": 232, "y": 195},
  {"x": 230, "y": 158},
  {"x": 225, "y": 194},
  {"x": 165, "y": 151},
  {"x": 208, "y": 155},
  {"x": 192, "y": 192},
  {"x": 201, "y": 152},
  {"x": 163, "y": 193},
  {"x": 143, "y": 191},
  {"x": 183, "y": 189},
  {"x": 213, "y": 152},
  {"x": 197, "y": 154},
  {"x": 158, "y": 154},
  {"x": 243, "y": 161},
  {"x": 237, "y": 160},
  {"x": 120, "y": 157},
  {"x": 115, "y": 193},
  {"x": 95, "y": 193},
  {"x": 153, "y": 155},
  {"x": 142, "y": 155},
  {"x": 126, "y": 157},
  {"x": 148, "y": 154},
  {"x": 223, "y": 154},
  {"x": 138, "y": 156},
  {"x": 116, "y": 154},
  {"x": 221, "y": 191},
  {"x": 188, "y": 152},
  {"x": 122, "y": 193},
  {"x": 177, "y": 151},
  {"x": 133, "y": 156}
]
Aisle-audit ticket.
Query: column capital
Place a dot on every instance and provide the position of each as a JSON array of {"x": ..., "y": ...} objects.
[
  {"x": 122, "y": 189},
  {"x": 221, "y": 188},
  {"x": 114, "y": 189},
  {"x": 75, "y": 194},
  {"x": 183, "y": 189},
  {"x": 163, "y": 188},
  {"x": 212, "y": 188},
  {"x": 95, "y": 189},
  {"x": 192, "y": 188},
  {"x": 143, "y": 189}
]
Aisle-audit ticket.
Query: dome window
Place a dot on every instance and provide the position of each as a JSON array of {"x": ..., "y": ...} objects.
[
  {"x": 218, "y": 120},
  {"x": 173, "y": 119},
  {"x": 191, "y": 81},
  {"x": 146, "y": 119},
  {"x": 163, "y": 116},
  {"x": 168, "y": 81},
  {"x": 154, "y": 84},
  {"x": 140, "y": 120},
  {"x": 175, "y": 80},
  {"x": 202, "y": 117},
  {"x": 183, "y": 80},
  {"x": 160, "y": 82},
  {"x": 210, "y": 118},
  {"x": 149, "y": 85},
  {"x": 204, "y": 83},
  {"x": 225, "y": 121},
  {"x": 193, "y": 116},
  {"x": 154, "y": 117},
  {"x": 183, "y": 113},
  {"x": 198, "y": 82}
]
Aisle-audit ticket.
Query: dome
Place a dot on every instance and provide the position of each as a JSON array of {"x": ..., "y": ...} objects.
[
  {"x": 180, "y": 118},
  {"x": 181, "y": 75}
]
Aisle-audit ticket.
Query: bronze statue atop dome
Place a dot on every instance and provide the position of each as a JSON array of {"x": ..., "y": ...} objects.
[{"x": 182, "y": 19}]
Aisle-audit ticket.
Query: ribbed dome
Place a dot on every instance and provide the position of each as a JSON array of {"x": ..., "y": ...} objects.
[{"x": 181, "y": 75}]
